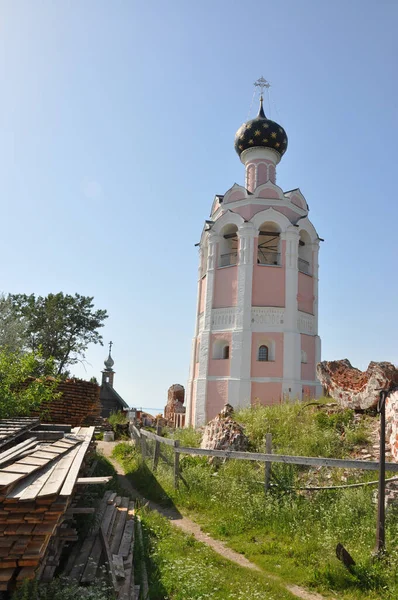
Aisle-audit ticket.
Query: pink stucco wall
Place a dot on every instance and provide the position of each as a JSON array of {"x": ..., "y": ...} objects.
[
  {"x": 234, "y": 197},
  {"x": 308, "y": 368},
  {"x": 305, "y": 296},
  {"x": 266, "y": 393},
  {"x": 219, "y": 366},
  {"x": 217, "y": 396},
  {"x": 225, "y": 287},
  {"x": 268, "y": 193},
  {"x": 309, "y": 391},
  {"x": 268, "y": 282},
  {"x": 202, "y": 294},
  {"x": 297, "y": 200},
  {"x": 269, "y": 368}
]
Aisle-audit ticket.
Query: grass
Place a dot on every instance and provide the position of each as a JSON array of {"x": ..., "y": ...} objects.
[
  {"x": 291, "y": 533},
  {"x": 183, "y": 569}
]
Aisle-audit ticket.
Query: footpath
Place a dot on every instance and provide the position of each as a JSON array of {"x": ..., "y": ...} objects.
[{"x": 192, "y": 528}]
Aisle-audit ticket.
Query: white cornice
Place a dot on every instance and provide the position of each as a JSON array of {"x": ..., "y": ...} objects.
[{"x": 275, "y": 203}]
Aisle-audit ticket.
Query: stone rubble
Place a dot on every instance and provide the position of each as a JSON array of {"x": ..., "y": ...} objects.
[{"x": 224, "y": 433}]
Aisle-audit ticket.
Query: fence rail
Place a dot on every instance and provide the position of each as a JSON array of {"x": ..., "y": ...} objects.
[{"x": 141, "y": 435}]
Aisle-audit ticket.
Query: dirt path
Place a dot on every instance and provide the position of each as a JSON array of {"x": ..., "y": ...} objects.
[{"x": 189, "y": 526}]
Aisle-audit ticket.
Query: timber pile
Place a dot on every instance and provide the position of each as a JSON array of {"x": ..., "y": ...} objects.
[
  {"x": 111, "y": 540},
  {"x": 37, "y": 481}
]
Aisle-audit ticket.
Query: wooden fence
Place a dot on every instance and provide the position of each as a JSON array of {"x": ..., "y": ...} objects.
[{"x": 140, "y": 436}]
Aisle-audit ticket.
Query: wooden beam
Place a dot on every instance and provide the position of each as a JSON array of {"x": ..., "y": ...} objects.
[
  {"x": 93, "y": 480},
  {"x": 310, "y": 461}
]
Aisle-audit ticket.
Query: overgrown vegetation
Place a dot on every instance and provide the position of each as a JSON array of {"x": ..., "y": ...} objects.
[
  {"x": 180, "y": 568},
  {"x": 286, "y": 531},
  {"x": 63, "y": 589},
  {"x": 22, "y": 391}
]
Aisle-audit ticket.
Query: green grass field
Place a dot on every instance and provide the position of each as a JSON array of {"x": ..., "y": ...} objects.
[{"x": 286, "y": 532}]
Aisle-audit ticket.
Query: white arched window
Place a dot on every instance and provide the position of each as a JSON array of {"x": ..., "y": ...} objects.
[
  {"x": 263, "y": 354},
  {"x": 221, "y": 349}
]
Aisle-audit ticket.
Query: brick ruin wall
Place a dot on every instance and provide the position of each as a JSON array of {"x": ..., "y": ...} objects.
[
  {"x": 79, "y": 404},
  {"x": 392, "y": 422},
  {"x": 358, "y": 390}
]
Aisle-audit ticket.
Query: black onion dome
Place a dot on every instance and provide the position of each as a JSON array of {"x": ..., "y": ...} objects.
[{"x": 261, "y": 132}]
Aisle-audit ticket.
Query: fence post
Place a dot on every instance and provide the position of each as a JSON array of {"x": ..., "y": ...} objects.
[
  {"x": 268, "y": 450},
  {"x": 157, "y": 449},
  {"x": 176, "y": 464},
  {"x": 143, "y": 447}
]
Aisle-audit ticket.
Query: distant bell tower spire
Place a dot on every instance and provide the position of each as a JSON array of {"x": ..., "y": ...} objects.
[{"x": 108, "y": 373}]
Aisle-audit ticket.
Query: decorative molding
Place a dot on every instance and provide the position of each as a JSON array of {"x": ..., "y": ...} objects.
[
  {"x": 266, "y": 315},
  {"x": 306, "y": 323},
  {"x": 223, "y": 319}
]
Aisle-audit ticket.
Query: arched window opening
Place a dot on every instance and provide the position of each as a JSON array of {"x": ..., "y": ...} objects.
[
  {"x": 228, "y": 248},
  {"x": 268, "y": 252},
  {"x": 263, "y": 353},
  {"x": 221, "y": 349},
  {"x": 305, "y": 253}
]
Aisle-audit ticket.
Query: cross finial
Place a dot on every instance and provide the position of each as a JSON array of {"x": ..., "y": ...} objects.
[
  {"x": 110, "y": 346},
  {"x": 262, "y": 83}
]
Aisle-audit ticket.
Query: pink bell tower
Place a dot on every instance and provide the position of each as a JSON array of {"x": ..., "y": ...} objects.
[{"x": 256, "y": 334}]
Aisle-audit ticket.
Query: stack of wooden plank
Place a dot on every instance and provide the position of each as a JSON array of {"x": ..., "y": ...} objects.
[
  {"x": 12, "y": 429},
  {"x": 111, "y": 540},
  {"x": 37, "y": 481}
]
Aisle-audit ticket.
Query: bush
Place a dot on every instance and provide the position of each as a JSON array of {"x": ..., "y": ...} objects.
[
  {"x": 118, "y": 418},
  {"x": 63, "y": 589}
]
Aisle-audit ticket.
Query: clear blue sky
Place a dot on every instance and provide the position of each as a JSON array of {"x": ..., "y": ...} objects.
[{"x": 117, "y": 128}]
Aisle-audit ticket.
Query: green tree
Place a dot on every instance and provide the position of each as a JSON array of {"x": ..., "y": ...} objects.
[
  {"x": 12, "y": 328},
  {"x": 21, "y": 391},
  {"x": 60, "y": 326}
]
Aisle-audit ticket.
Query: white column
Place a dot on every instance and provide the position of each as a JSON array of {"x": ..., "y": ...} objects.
[
  {"x": 239, "y": 387},
  {"x": 199, "y": 409},
  {"x": 315, "y": 275},
  {"x": 291, "y": 341},
  {"x": 191, "y": 384}
]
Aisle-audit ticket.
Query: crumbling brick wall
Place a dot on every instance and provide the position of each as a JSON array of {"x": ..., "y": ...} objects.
[
  {"x": 392, "y": 422},
  {"x": 79, "y": 404}
]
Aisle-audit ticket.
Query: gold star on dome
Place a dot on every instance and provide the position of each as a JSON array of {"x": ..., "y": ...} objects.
[
  {"x": 240, "y": 147},
  {"x": 249, "y": 126},
  {"x": 257, "y": 132},
  {"x": 277, "y": 145},
  {"x": 265, "y": 140},
  {"x": 265, "y": 125},
  {"x": 285, "y": 141},
  {"x": 273, "y": 134},
  {"x": 280, "y": 129},
  {"x": 242, "y": 137},
  {"x": 251, "y": 142}
]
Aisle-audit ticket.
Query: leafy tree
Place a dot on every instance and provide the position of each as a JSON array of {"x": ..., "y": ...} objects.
[
  {"x": 60, "y": 326},
  {"x": 21, "y": 392},
  {"x": 12, "y": 328}
]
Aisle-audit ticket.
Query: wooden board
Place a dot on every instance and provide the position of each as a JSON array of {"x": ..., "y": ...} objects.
[
  {"x": 57, "y": 477},
  {"x": 93, "y": 480},
  {"x": 127, "y": 539},
  {"x": 117, "y": 534},
  {"x": 73, "y": 473},
  {"x": 13, "y": 452}
]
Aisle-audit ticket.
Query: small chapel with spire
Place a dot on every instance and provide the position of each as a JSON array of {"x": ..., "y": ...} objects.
[
  {"x": 110, "y": 399},
  {"x": 256, "y": 332}
]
